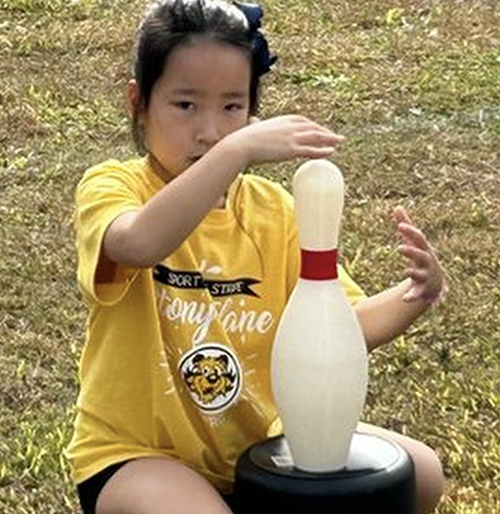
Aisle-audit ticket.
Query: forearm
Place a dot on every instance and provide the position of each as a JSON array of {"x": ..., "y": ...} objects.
[
  {"x": 385, "y": 316},
  {"x": 147, "y": 236},
  {"x": 144, "y": 237}
]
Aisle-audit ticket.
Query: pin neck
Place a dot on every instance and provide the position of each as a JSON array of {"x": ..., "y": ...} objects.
[{"x": 318, "y": 265}]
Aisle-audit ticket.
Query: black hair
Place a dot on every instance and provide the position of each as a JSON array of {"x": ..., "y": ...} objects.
[{"x": 170, "y": 23}]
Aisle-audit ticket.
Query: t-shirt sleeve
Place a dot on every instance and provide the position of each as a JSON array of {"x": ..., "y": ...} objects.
[
  {"x": 352, "y": 289},
  {"x": 104, "y": 193}
]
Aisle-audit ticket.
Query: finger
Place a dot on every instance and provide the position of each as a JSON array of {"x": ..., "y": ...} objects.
[
  {"x": 315, "y": 152},
  {"x": 416, "y": 292},
  {"x": 401, "y": 216},
  {"x": 316, "y": 137},
  {"x": 412, "y": 235},
  {"x": 419, "y": 276},
  {"x": 411, "y": 295},
  {"x": 331, "y": 132},
  {"x": 419, "y": 257},
  {"x": 402, "y": 219}
]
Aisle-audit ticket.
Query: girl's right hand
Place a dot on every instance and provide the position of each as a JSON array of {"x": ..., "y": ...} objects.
[{"x": 283, "y": 138}]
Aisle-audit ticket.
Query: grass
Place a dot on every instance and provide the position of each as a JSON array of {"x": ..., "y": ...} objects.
[{"x": 415, "y": 88}]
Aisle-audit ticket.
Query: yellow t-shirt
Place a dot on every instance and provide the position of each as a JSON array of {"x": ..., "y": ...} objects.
[{"x": 176, "y": 361}]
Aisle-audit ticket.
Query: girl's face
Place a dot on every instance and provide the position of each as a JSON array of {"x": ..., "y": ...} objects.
[{"x": 202, "y": 95}]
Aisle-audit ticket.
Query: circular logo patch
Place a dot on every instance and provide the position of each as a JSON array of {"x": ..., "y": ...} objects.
[{"x": 212, "y": 376}]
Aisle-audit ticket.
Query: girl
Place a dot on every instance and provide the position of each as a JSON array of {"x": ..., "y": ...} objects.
[{"x": 187, "y": 265}]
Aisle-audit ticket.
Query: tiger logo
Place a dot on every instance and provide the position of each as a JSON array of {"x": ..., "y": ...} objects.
[{"x": 212, "y": 375}]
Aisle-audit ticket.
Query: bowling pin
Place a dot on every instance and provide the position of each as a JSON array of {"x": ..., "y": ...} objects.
[{"x": 319, "y": 363}]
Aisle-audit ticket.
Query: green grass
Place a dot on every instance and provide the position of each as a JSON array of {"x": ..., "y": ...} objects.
[{"x": 415, "y": 88}]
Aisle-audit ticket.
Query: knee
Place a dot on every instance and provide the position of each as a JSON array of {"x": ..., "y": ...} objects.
[
  {"x": 429, "y": 477},
  {"x": 429, "y": 474}
]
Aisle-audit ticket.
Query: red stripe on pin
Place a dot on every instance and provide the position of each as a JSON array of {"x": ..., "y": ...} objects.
[{"x": 318, "y": 265}]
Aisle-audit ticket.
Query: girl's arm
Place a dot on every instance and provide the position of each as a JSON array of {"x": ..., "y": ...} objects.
[
  {"x": 390, "y": 313},
  {"x": 144, "y": 237}
]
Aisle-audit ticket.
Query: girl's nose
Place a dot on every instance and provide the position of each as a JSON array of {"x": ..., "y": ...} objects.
[{"x": 208, "y": 130}]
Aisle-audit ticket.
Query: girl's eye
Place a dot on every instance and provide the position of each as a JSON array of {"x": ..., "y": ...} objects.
[
  {"x": 233, "y": 107},
  {"x": 185, "y": 105}
]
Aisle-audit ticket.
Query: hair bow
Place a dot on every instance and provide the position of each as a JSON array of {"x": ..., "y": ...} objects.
[{"x": 262, "y": 57}]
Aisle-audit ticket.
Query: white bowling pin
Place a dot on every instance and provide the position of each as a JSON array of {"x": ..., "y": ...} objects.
[{"x": 319, "y": 360}]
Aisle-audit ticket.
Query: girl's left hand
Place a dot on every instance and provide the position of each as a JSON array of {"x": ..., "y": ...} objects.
[{"x": 428, "y": 281}]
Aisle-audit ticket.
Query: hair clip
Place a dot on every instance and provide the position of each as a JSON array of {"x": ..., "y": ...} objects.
[{"x": 260, "y": 47}]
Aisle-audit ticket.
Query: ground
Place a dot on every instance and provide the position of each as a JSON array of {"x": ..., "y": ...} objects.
[{"x": 413, "y": 85}]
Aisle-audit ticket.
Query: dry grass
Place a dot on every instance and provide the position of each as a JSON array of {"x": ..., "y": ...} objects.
[{"x": 415, "y": 87}]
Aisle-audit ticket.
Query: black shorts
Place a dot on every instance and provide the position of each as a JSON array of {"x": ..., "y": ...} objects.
[{"x": 89, "y": 491}]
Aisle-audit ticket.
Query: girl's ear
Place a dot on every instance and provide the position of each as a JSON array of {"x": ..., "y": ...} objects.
[{"x": 134, "y": 99}]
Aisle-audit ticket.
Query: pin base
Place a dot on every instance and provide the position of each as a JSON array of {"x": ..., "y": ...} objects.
[{"x": 378, "y": 478}]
